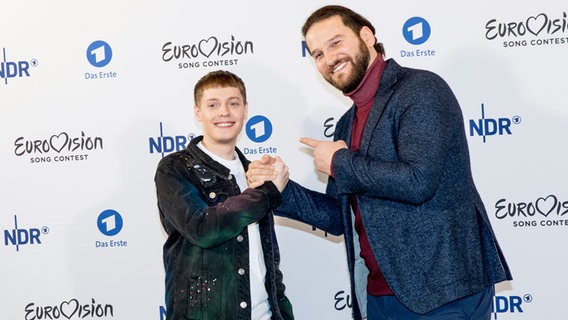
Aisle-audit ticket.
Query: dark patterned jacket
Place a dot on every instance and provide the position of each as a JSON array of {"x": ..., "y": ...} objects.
[
  {"x": 206, "y": 255},
  {"x": 425, "y": 221}
]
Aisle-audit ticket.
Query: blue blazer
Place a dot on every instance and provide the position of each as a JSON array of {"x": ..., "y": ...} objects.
[{"x": 425, "y": 221}]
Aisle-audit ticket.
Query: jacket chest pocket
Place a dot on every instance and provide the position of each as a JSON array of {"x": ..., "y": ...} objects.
[
  {"x": 219, "y": 192},
  {"x": 213, "y": 187},
  {"x": 217, "y": 195}
]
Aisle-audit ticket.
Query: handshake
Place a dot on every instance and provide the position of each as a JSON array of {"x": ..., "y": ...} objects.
[
  {"x": 268, "y": 169},
  {"x": 274, "y": 169}
]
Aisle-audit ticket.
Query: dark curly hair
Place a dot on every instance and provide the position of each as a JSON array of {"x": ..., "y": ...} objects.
[{"x": 351, "y": 19}]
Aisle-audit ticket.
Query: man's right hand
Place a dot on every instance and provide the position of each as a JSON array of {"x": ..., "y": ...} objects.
[
  {"x": 268, "y": 168},
  {"x": 282, "y": 174}
]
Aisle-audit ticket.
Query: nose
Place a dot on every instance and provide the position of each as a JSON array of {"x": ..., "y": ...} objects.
[
  {"x": 330, "y": 59},
  {"x": 326, "y": 64},
  {"x": 331, "y": 55},
  {"x": 223, "y": 110}
]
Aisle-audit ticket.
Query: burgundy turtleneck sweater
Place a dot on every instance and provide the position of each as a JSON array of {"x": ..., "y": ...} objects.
[{"x": 363, "y": 96}]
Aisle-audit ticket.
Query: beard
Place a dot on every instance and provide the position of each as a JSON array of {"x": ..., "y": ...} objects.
[{"x": 360, "y": 64}]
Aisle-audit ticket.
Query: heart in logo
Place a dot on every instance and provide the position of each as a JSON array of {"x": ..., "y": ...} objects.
[
  {"x": 206, "y": 47},
  {"x": 537, "y": 23},
  {"x": 69, "y": 308},
  {"x": 58, "y": 142},
  {"x": 548, "y": 206}
]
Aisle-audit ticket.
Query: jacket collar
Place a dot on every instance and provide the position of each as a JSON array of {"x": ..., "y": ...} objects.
[
  {"x": 201, "y": 156},
  {"x": 386, "y": 88}
]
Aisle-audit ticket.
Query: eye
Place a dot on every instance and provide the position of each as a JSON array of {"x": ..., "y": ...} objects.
[{"x": 235, "y": 103}]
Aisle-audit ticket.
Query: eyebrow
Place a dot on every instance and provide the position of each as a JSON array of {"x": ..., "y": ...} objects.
[
  {"x": 335, "y": 37},
  {"x": 219, "y": 99},
  {"x": 327, "y": 42}
]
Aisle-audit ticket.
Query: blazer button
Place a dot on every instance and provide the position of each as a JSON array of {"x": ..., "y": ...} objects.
[
  {"x": 240, "y": 238},
  {"x": 241, "y": 271},
  {"x": 243, "y": 305},
  {"x": 212, "y": 195}
]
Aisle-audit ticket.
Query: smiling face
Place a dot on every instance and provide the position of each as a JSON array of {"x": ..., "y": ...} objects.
[
  {"x": 341, "y": 56},
  {"x": 222, "y": 112}
]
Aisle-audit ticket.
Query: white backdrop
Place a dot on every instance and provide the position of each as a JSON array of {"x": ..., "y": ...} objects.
[{"x": 93, "y": 94}]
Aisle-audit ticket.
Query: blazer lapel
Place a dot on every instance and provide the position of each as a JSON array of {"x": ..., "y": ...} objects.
[
  {"x": 388, "y": 80},
  {"x": 344, "y": 128}
]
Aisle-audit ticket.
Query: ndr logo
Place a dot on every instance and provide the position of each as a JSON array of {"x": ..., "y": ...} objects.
[
  {"x": 13, "y": 69},
  {"x": 166, "y": 144},
  {"x": 23, "y": 236},
  {"x": 489, "y": 127},
  {"x": 510, "y": 304}
]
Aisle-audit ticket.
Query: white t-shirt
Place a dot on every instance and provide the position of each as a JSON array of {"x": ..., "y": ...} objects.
[{"x": 260, "y": 309}]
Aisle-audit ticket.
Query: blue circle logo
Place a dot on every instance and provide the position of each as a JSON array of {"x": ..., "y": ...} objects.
[
  {"x": 416, "y": 30},
  {"x": 109, "y": 222},
  {"x": 259, "y": 129},
  {"x": 99, "y": 54}
]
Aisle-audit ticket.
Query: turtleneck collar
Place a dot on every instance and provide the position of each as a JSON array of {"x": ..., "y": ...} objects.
[{"x": 365, "y": 92}]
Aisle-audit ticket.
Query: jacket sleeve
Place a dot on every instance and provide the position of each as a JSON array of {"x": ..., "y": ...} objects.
[
  {"x": 311, "y": 207},
  {"x": 423, "y": 117},
  {"x": 285, "y": 307},
  {"x": 182, "y": 208}
]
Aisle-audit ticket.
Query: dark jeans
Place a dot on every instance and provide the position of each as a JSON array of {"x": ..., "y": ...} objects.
[{"x": 475, "y": 307}]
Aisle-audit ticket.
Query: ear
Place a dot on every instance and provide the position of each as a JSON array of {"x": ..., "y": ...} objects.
[
  {"x": 368, "y": 37},
  {"x": 197, "y": 113},
  {"x": 246, "y": 110}
]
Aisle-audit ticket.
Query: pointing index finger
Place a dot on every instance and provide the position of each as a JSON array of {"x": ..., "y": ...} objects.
[{"x": 309, "y": 141}]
